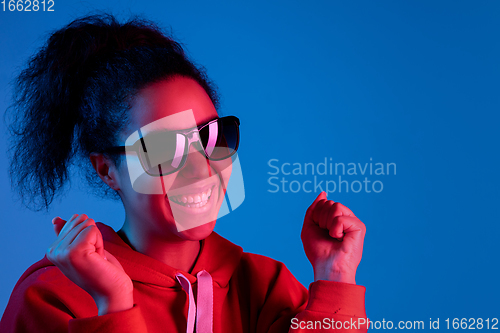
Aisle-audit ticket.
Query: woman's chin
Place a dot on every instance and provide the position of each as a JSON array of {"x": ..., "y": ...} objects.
[{"x": 198, "y": 233}]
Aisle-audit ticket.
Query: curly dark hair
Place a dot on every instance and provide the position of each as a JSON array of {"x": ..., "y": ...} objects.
[{"x": 73, "y": 98}]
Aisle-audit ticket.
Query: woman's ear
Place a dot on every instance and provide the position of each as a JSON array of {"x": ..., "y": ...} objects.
[{"x": 106, "y": 170}]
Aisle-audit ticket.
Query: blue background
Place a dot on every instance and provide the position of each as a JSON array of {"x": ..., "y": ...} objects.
[{"x": 411, "y": 83}]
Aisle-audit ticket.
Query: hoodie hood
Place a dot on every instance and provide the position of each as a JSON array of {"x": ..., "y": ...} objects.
[{"x": 148, "y": 270}]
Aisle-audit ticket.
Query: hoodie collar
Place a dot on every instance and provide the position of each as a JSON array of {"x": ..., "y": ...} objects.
[{"x": 218, "y": 256}]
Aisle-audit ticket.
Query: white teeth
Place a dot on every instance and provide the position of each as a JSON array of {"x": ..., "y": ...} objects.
[
  {"x": 197, "y": 200},
  {"x": 199, "y": 204}
]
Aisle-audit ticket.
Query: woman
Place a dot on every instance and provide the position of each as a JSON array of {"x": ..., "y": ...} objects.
[{"x": 126, "y": 97}]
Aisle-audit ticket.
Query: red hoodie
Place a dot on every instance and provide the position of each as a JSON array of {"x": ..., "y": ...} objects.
[{"x": 239, "y": 292}]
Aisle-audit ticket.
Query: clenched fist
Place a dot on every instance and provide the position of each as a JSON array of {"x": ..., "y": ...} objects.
[
  {"x": 333, "y": 240},
  {"x": 79, "y": 253}
]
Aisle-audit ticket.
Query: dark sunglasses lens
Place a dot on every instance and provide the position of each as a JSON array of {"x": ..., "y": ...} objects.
[
  {"x": 220, "y": 139},
  {"x": 162, "y": 152}
]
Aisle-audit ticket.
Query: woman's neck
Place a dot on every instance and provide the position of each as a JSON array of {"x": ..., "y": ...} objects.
[{"x": 173, "y": 251}]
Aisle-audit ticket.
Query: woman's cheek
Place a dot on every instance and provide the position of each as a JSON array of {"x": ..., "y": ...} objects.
[{"x": 223, "y": 169}]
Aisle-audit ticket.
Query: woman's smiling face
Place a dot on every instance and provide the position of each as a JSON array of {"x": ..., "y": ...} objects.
[{"x": 184, "y": 203}]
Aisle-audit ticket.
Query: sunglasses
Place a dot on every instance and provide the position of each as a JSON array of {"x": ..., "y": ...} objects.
[{"x": 164, "y": 152}]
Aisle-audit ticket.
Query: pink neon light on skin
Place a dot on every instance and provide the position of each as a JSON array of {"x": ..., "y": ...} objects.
[
  {"x": 150, "y": 225},
  {"x": 214, "y": 180}
]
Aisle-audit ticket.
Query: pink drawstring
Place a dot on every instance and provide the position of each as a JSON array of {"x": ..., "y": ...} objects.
[
  {"x": 186, "y": 285},
  {"x": 204, "y": 311}
]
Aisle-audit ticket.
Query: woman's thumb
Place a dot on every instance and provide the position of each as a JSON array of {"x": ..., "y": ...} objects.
[
  {"x": 309, "y": 212},
  {"x": 321, "y": 196},
  {"x": 58, "y": 224}
]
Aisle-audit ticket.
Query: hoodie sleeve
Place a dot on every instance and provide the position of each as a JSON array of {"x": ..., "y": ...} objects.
[
  {"x": 46, "y": 301},
  {"x": 288, "y": 306},
  {"x": 124, "y": 321},
  {"x": 332, "y": 306}
]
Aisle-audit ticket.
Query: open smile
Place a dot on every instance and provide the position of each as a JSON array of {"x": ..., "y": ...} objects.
[{"x": 199, "y": 199}]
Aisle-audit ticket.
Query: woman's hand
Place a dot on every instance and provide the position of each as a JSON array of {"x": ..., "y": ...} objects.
[
  {"x": 333, "y": 240},
  {"x": 79, "y": 253}
]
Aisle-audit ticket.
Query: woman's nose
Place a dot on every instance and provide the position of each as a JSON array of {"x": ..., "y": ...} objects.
[{"x": 197, "y": 165}]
